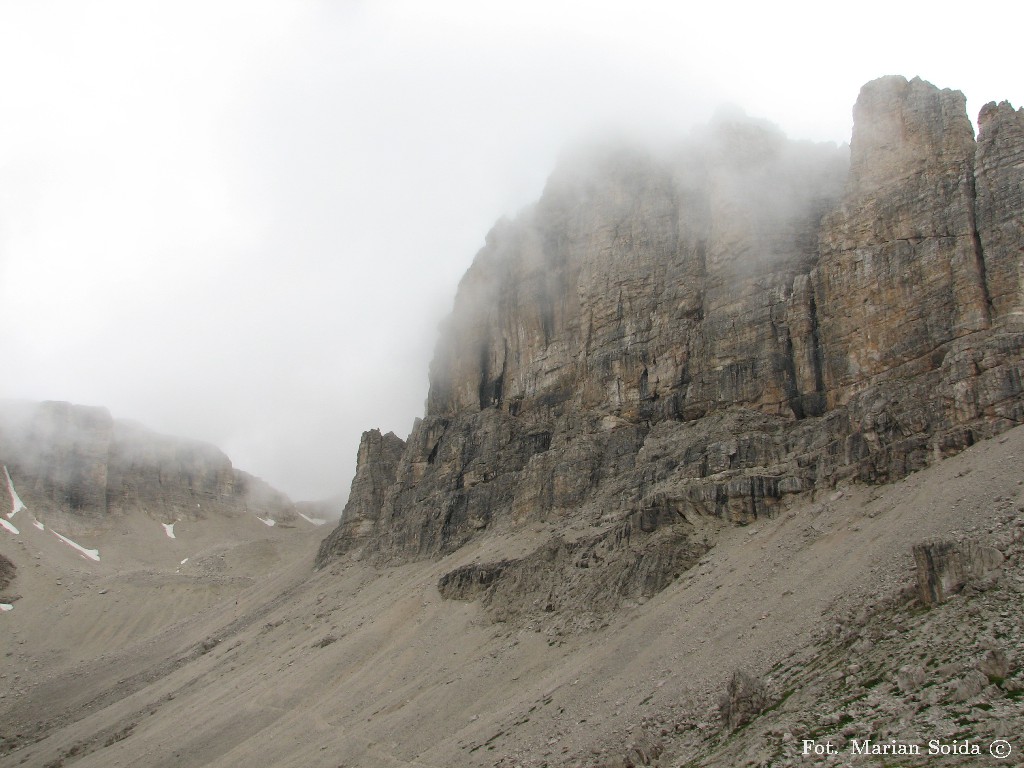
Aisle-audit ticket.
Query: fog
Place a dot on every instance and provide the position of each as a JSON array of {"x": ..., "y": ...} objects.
[{"x": 242, "y": 222}]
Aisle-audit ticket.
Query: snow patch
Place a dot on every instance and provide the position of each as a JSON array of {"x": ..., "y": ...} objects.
[
  {"x": 38, "y": 525},
  {"x": 6, "y": 607},
  {"x": 183, "y": 561},
  {"x": 92, "y": 554},
  {"x": 9, "y": 527},
  {"x": 313, "y": 520},
  {"x": 269, "y": 522},
  {"x": 169, "y": 530},
  {"x": 16, "y": 503}
]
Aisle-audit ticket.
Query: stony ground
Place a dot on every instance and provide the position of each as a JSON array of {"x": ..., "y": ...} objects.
[
  {"x": 893, "y": 671},
  {"x": 252, "y": 661}
]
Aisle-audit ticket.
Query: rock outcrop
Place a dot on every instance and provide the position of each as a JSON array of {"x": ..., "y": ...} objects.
[
  {"x": 945, "y": 567},
  {"x": 376, "y": 470},
  {"x": 7, "y": 573},
  {"x": 744, "y": 699},
  {"x": 690, "y": 340},
  {"x": 581, "y": 581},
  {"x": 81, "y": 465}
]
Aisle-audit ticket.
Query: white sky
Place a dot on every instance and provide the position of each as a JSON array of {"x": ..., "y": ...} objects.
[{"x": 242, "y": 221}]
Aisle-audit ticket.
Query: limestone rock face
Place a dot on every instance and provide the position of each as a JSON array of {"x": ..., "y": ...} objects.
[
  {"x": 1000, "y": 200},
  {"x": 80, "y": 464},
  {"x": 945, "y": 567},
  {"x": 900, "y": 269},
  {"x": 670, "y": 343},
  {"x": 643, "y": 289},
  {"x": 376, "y": 468}
]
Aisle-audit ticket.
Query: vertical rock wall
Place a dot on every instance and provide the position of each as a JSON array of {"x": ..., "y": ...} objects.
[
  {"x": 900, "y": 269},
  {"x": 697, "y": 337},
  {"x": 1000, "y": 201}
]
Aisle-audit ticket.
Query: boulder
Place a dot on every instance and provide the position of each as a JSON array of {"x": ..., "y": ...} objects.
[{"x": 946, "y": 567}]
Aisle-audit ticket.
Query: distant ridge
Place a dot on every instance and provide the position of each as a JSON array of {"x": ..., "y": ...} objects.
[{"x": 77, "y": 463}]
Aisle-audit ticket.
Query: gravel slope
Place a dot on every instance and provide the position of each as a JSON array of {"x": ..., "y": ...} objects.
[{"x": 260, "y": 662}]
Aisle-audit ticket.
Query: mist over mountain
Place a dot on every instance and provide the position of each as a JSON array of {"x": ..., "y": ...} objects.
[
  {"x": 225, "y": 219},
  {"x": 719, "y": 459},
  {"x": 78, "y": 464},
  {"x": 713, "y": 332}
]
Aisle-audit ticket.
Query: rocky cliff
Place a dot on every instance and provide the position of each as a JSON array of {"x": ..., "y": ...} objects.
[
  {"x": 663, "y": 344},
  {"x": 80, "y": 465}
]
